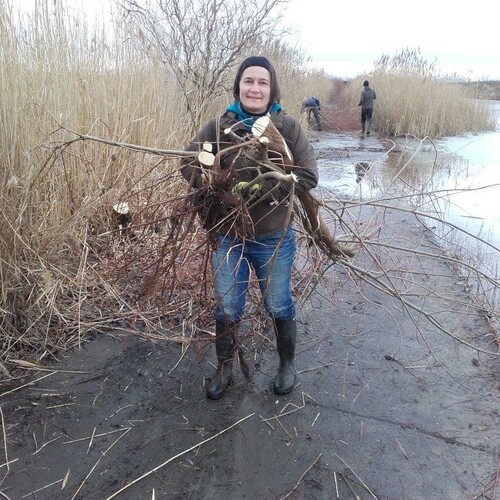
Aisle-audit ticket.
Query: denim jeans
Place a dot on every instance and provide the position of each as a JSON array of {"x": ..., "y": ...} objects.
[{"x": 270, "y": 257}]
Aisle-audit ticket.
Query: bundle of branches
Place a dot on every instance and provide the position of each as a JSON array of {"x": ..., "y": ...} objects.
[
  {"x": 217, "y": 205},
  {"x": 266, "y": 151}
]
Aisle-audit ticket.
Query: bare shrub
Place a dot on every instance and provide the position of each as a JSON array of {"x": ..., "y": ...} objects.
[{"x": 200, "y": 42}]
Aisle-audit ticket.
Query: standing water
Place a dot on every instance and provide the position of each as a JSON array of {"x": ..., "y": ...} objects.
[{"x": 455, "y": 179}]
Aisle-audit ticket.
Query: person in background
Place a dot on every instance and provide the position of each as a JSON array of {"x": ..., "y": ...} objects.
[
  {"x": 270, "y": 249},
  {"x": 366, "y": 102},
  {"x": 312, "y": 105}
]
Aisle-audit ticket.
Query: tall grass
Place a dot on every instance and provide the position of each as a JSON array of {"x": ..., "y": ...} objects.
[
  {"x": 55, "y": 71},
  {"x": 59, "y": 73},
  {"x": 414, "y": 99},
  {"x": 58, "y": 234}
]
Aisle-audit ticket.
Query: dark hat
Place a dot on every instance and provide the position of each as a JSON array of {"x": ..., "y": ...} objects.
[
  {"x": 255, "y": 61},
  {"x": 366, "y": 83},
  {"x": 263, "y": 62}
]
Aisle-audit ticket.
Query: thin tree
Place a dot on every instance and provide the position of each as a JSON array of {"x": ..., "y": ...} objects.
[{"x": 201, "y": 41}]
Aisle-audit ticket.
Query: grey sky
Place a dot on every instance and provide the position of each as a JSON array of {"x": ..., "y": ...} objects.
[{"x": 345, "y": 38}]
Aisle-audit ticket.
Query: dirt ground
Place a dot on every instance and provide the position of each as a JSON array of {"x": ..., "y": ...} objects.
[{"x": 385, "y": 406}]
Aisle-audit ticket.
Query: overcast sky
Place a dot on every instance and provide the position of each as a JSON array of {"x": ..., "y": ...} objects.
[{"x": 345, "y": 38}]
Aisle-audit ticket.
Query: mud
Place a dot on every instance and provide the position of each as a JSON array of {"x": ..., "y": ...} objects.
[{"x": 386, "y": 405}]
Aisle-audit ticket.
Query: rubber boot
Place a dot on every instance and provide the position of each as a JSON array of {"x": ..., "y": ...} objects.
[
  {"x": 368, "y": 126},
  {"x": 224, "y": 348},
  {"x": 286, "y": 336}
]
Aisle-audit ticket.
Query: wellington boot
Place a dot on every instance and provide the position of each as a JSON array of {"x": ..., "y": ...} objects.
[
  {"x": 286, "y": 335},
  {"x": 221, "y": 380},
  {"x": 224, "y": 347}
]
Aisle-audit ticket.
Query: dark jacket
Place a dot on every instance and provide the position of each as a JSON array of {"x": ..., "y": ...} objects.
[
  {"x": 267, "y": 215},
  {"x": 311, "y": 102},
  {"x": 367, "y": 97}
]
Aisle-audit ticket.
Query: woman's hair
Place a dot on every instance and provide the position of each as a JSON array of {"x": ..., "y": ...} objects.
[{"x": 263, "y": 62}]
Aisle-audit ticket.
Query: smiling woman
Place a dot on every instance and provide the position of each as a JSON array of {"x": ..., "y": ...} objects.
[{"x": 261, "y": 237}]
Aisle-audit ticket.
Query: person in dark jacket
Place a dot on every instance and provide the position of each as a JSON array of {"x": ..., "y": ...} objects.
[
  {"x": 312, "y": 105},
  {"x": 366, "y": 102},
  {"x": 269, "y": 249}
]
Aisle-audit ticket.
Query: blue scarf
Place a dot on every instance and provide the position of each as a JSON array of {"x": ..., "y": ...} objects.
[{"x": 248, "y": 120}]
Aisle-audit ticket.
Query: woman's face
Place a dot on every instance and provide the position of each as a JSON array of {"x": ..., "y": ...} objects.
[{"x": 255, "y": 89}]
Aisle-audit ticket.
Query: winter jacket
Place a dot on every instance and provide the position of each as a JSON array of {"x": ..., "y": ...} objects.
[
  {"x": 311, "y": 102},
  {"x": 367, "y": 97},
  {"x": 268, "y": 215}
]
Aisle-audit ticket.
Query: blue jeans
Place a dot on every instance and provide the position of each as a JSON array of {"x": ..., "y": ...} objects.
[{"x": 270, "y": 257}]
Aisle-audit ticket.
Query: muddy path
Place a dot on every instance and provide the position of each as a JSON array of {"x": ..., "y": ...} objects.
[{"x": 384, "y": 407}]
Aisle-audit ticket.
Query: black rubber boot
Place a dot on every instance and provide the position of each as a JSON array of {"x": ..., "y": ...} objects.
[
  {"x": 224, "y": 347},
  {"x": 286, "y": 337}
]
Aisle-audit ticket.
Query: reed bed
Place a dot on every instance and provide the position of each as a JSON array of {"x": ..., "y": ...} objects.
[
  {"x": 63, "y": 259},
  {"x": 70, "y": 265},
  {"x": 413, "y": 98}
]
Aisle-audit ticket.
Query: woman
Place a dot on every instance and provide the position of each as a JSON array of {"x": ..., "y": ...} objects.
[{"x": 270, "y": 249}]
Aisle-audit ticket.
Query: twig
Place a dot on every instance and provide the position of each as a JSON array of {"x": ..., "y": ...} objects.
[
  {"x": 126, "y": 429},
  {"x": 316, "y": 367},
  {"x": 4, "y": 439},
  {"x": 86, "y": 477},
  {"x": 134, "y": 147},
  {"x": 265, "y": 421},
  {"x": 377, "y": 283},
  {"x": 314, "y": 421},
  {"x": 357, "y": 477},
  {"x": 28, "y": 365},
  {"x": 119, "y": 409},
  {"x": 10, "y": 462},
  {"x": 43, "y": 487},
  {"x": 177, "y": 456},
  {"x": 91, "y": 440},
  {"x": 45, "y": 444},
  {"x": 33, "y": 382},
  {"x": 283, "y": 427},
  {"x": 276, "y": 417},
  {"x": 301, "y": 477},
  {"x": 95, "y": 436}
]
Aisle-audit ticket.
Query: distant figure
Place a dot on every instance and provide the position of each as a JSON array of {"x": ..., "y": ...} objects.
[
  {"x": 366, "y": 102},
  {"x": 312, "y": 105}
]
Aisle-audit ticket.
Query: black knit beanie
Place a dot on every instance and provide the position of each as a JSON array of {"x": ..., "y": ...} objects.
[{"x": 255, "y": 61}]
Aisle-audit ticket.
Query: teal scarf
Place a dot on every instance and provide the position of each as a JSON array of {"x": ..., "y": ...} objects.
[{"x": 245, "y": 118}]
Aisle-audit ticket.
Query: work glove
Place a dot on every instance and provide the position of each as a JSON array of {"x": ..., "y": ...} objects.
[{"x": 242, "y": 190}]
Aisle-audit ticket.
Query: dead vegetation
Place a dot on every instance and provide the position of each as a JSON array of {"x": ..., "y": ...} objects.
[{"x": 70, "y": 265}]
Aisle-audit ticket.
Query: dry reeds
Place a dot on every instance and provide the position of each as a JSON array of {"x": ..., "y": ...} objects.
[
  {"x": 68, "y": 267},
  {"x": 414, "y": 99},
  {"x": 65, "y": 267}
]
